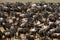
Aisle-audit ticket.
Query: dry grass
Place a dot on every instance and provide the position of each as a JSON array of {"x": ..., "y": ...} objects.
[{"x": 29, "y": 0}]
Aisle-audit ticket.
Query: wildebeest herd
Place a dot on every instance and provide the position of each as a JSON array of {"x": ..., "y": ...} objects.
[{"x": 29, "y": 21}]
